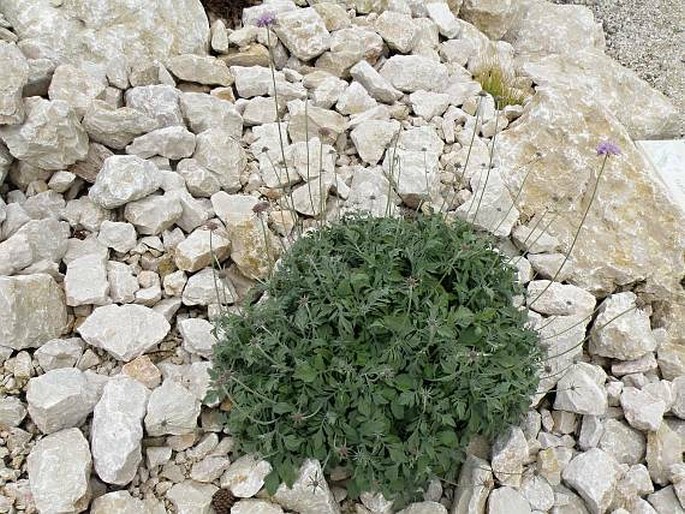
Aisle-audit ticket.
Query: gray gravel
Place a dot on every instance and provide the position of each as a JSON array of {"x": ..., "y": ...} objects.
[{"x": 647, "y": 36}]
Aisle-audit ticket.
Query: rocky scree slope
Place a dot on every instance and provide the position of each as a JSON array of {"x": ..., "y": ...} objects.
[{"x": 128, "y": 139}]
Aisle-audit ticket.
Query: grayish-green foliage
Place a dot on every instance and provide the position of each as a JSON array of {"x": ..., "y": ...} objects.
[{"x": 383, "y": 345}]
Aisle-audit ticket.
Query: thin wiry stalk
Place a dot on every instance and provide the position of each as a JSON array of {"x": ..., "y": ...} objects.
[
  {"x": 575, "y": 237},
  {"x": 322, "y": 202},
  {"x": 468, "y": 153},
  {"x": 518, "y": 193},
  {"x": 586, "y": 338},
  {"x": 272, "y": 67},
  {"x": 491, "y": 157},
  {"x": 391, "y": 174},
  {"x": 306, "y": 132},
  {"x": 267, "y": 248}
]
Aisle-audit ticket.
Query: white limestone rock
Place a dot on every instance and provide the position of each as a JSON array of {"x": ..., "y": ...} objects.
[
  {"x": 372, "y": 137},
  {"x": 59, "y": 467},
  {"x": 14, "y": 77},
  {"x": 117, "y": 430},
  {"x": 537, "y": 492},
  {"x": 370, "y": 192},
  {"x": 411, "y": 73},
  {"x": 474, "y": 486},
  {"x": 492, "y": 17},
  {"x": 12, "y": 411},
  {"x": 581, "y": 390},
  {"x": 117, "y": 235},
  {"x": 328, "y": 91},
  {"x": 624, "y": 443},
  {"x": 619, "y": 332},
  {"x": 59, "y": 399},
  {"x": 491, "y": 206},
  {"x": 122, "y": 284},
  {"x": 251, "y": 81},
  {"x": 397, "y": 29},
  {"x": 506, "y": 500},
  {"x": 77, "y": 86},
  {"x": 678, "y": 407},
  {"x": 427, "y": 104},
  {"x": 59, "y": 353},
  {"x": 354, "y": 100},
  {"x": 116, "y": 127},
  {"x": 303, "y": 32},
  {"x": 664, "y": 453},
  {"x": 32, "y": 311},
  {"x": 36, "y": 241},
  {"x": 376, "y": 84},
  {"x": 202, "y": 69},
  {"x": 160, "y": 102},
  {"x": 172, "y": 409},
  {"x": 249, "y": 506},
  {"x": 191, "y": 497},
  {"x": 85, "y": 282},
  {"x": 125, "y": 331},
  {"x": 509, "y": 453},
  {"x": 200, "y": 248},
  {"x": 51, "y": 137},
  {"x": 223, "y": 155},
  {"x": 209, "y": 468},
  {"x": 310, "y": 158},
  {"x": 594, "y": 475},
  {"x": 245, "y": 477},
  {"x": 664, "y": 500},
  {"x": 124, "y": 179},
  {"x": 202, "y": 111},
  {"x": 254, "y": 249},
  {"x": 197, "y": 336},
  {"x": 301, "y": 498},
  {"x": 427, "y": 507},
  {"x": 201, "y": 289},
  {"x": 559, "y": 299},
  {"x": 554, "y": 266},
  {"x": 119, "y": 502},
  {"x": 642, "y": 410},
  {"x": 199, "y": 180},
  {"x": 348, "y": 47},
  {"x": 99, "y": 31},
  {"x": 154, "y": 214},
  {"x": 444, "y": 18},
  {"x": 598, "y": 268},
  {"x": 174, "y": 143},
  {"x": 414, "y": 174},
  {"x": 325, "y": 124},
  {"x": 259, "y": 111}
]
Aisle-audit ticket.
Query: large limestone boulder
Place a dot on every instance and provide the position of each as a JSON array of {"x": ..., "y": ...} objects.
[
  {"x": 97, "y": 31},
  {"x": 32, "y": 311},
  {"x": 593, "y": 76},
  {"x": 632, "y": 232},
  {"x": 59, "y": 472},
  {"x": 546, "y": 28},
  {"x": 492, "y": 17}
]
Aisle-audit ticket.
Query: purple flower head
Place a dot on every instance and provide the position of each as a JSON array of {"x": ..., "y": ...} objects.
[
  {"x": 608, "y": 148},
  {"x": 267, "y": 19}
]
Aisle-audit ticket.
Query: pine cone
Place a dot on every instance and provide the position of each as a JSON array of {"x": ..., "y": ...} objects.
[{"x": 222, "y": 501}]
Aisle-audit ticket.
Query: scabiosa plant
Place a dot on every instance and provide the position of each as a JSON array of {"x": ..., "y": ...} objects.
[{"x": 382, "y": 345}]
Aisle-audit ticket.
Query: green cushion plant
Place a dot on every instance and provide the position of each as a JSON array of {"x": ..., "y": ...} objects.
[{"x": 383, "y": 345}]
